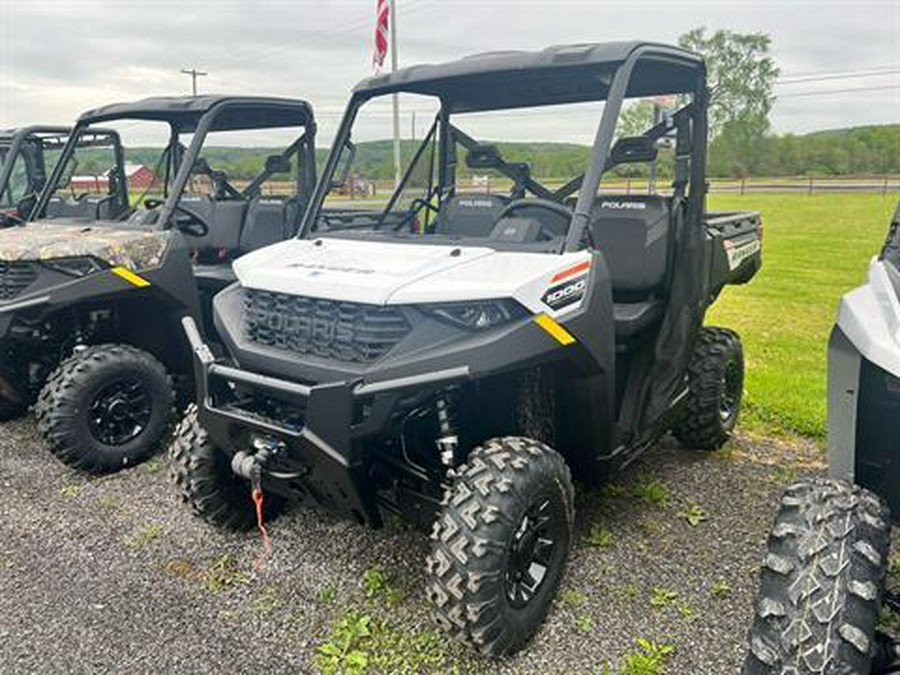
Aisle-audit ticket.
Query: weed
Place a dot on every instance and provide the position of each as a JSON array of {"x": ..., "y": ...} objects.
[
  {"x": 71, "y": 490},
  {"x": 342, "y": 653},
  {"x": 154, "y": 465},
  {"x": 648, "y": 659},
  {"x": 613, "y": 490},
  {"x": 224, "y": 574},
  {"x": 894, "y": 570},
  {"x": 653, "y": 492},
  {"x": 360, "y": 643},
  {"x": 632, "y": 591},
  {"x": 184, "y": 569},
  {"x": 108, "y": 502},
  {"x": 144, "y": 536},
  {"x": 599, "y": 537},
  {"x": 571, "y": 598},
  {"x": 376, "y": 583},
  {"x": 721, "y": 589},
  {"x": 584, "y": 623},
  {"x": 695, "y": 515},
  {"x": 685, "y": 610},
  {"x": 785, "y": 474},
  {"x": 327, "y": 593},
  {"x": 662, "y": 597}
]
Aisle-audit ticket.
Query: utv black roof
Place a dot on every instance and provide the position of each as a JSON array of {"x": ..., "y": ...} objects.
[
  {"x": 561, "y": 74},
  {"x": 185, "y": 112}
]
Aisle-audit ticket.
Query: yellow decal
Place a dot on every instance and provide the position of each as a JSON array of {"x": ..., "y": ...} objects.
[
  {"x": 559, "y": 333},
  {"x": 130, "y": 276}
]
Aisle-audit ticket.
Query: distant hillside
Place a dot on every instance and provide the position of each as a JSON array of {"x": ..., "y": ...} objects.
[{"x": 858, "y": 150}]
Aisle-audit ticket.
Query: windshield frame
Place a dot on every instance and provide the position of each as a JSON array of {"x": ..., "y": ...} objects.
[
  {"x": 600, "y": 149},
  {"x": 179, "y": 160}
]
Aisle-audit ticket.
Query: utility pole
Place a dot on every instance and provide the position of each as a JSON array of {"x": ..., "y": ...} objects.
[
  {"x": 194, "y": 73},
  {"x": 393, "y": 30}
]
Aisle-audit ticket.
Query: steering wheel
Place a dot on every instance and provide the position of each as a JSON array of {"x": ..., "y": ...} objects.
[
  {"x": 192, "y": 224},
  {"x": 554, "y": 224}
]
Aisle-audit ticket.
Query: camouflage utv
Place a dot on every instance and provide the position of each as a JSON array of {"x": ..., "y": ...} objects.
[{"x": 92, "y": 292}]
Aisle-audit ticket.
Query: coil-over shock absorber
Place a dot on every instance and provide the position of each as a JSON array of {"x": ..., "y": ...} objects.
[{"x": 448, "y": 439}]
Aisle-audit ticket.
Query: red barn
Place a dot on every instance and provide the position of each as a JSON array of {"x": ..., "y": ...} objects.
[{"x": 139, "y": 178}]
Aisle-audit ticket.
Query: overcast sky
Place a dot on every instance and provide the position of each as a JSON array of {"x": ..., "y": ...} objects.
[{"x": 60, "y": 57}]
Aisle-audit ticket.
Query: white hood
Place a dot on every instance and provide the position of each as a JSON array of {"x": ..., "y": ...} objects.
[{"x": 400, "y": 273}]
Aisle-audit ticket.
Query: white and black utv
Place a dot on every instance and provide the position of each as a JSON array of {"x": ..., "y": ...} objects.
[
  {"x": 27, "y": 157},
  {"x": 92, "y": 292},
  {"x": 456, "y": 357},
  {"x": 822, "y": 587}
]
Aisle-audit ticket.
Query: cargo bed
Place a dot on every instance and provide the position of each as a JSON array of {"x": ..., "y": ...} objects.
[{"x": 735, "y": 241}]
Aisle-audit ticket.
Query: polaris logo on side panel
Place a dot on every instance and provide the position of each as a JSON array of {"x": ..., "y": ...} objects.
[
  {"x": 565, "y": 294},
  {"x": 625, "y": 206}
]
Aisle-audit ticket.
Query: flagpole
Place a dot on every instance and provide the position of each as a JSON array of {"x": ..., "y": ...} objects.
[{"x": 396, "y": 102}]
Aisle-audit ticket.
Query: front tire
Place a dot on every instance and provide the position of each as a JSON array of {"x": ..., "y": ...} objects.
[
  {"x": 500, "y": 545},
  {"x": 105, "y": 408},
  {"x": 822, "y": 583},
  {"x": 716, "y": 389},
  {"x": 207, "y": 484}
]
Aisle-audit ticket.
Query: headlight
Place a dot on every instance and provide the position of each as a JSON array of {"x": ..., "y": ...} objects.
[
  {"x": 76, "y": 267},
  {"x": 477, "y": 315}
]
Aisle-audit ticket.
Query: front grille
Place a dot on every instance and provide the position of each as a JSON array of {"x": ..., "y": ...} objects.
[
  {"x": 15, "y": 277},
  {"x": 340, "y": 331}
]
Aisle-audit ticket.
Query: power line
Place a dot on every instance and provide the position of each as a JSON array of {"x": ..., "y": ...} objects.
[
  {"x": 837, "y": 91},
  {"x": 837, "y": 76},
  {"x": 817, "y": 73}
]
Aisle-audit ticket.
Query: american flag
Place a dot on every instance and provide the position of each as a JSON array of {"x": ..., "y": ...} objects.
[{"x": 382, "y": 19}]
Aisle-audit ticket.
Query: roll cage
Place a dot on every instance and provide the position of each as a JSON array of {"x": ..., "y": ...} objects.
[
  {"x": 609, "y": 72},
  {"x": 33, "y": 142},
  {"x": 198, "y": 116}
]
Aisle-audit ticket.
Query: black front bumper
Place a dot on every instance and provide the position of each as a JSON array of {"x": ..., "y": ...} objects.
[{"x": 320, "y": 457}]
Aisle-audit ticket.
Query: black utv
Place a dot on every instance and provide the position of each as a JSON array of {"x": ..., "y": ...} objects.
[
  {"x": 92, "y": 292},
  {"x": 457, "y": 356},
  {"x": 28, "y": 155}
]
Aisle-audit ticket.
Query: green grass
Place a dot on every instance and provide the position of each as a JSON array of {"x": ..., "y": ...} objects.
[{"x": 815, "y": 248}]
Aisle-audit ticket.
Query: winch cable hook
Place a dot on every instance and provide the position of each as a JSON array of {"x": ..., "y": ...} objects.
[{"x": 256, "y": 494}]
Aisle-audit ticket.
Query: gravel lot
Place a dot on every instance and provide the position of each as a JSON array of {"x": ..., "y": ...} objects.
[{"x": 114, "y": 575}]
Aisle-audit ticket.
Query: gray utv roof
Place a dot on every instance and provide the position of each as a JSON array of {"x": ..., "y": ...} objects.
[
  {"x": 7, "y": 135},
  {"x": 185, "y": 112},
  {"x": 561, "y": 74}
]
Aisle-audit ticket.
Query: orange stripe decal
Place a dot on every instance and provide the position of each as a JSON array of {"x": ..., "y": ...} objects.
[{"x": 565, "y": 274}]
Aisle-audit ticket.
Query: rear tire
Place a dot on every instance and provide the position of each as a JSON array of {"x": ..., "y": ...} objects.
[
  {"x": 716, "y": 388},
  {"x": 500, "y": 545},
  {"x": 105, "y": 408},
  {"x": 207, "y": 484},
  {"x": 822, "y": 583}
]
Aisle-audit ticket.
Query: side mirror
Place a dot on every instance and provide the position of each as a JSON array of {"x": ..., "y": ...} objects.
[
  {"x": 344, "y": 164},
  {"x": 68, "y": 171},
  {"x": 277, "y": 164}
]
